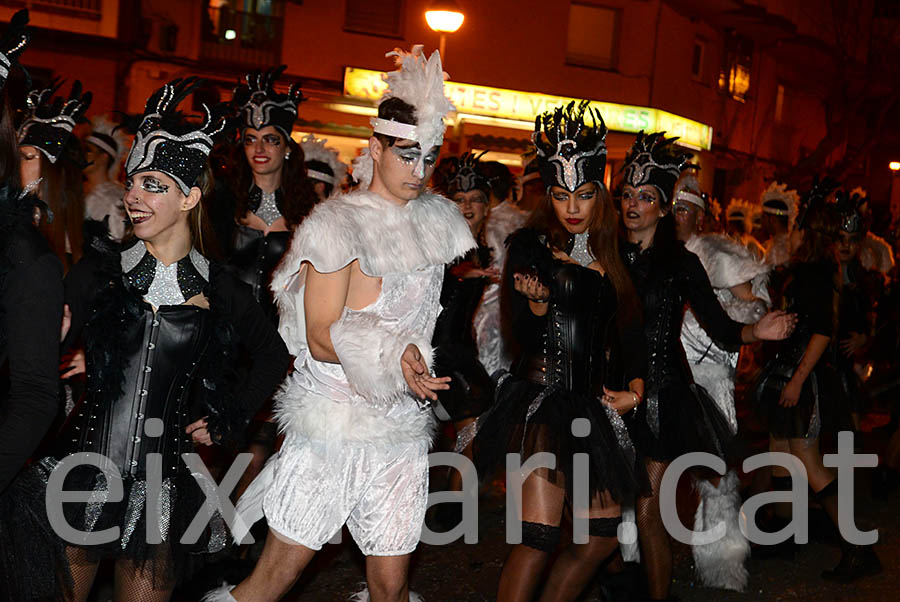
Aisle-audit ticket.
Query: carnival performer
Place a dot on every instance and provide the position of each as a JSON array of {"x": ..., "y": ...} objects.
[
  {"x": 738, "y": 224},
  {"x": 779, "y": 210},
  {"x": 503, "y": 219},
  {"x": 739, "y": 280},
  {"x": 161, "y": 325},
  {"x": 104, "y": 149},
  {"x": 471, "y": 389},
  {"x": 272, "y": 195},
  {"x": 797, "y": 392},
  {"x": 677, "y": 417},
  {"x": 323, "y": 166},
  {"x": 358, "y": 295},
  {"x": 51, "y": 164},
  {"x": 31, "y": 301},
  {"x": 570, "y": 301}
]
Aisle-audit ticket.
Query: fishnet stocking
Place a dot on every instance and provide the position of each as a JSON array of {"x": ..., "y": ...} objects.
[
  {"x": 83, "y": 571},
  {"x": 656, "y": 551},
  {"x": 134, "y": 582}
]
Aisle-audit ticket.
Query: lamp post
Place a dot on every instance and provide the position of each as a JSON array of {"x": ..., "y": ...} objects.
[
  {"x": 895, "y": 191},
  {"x": 444, "y": 16}
]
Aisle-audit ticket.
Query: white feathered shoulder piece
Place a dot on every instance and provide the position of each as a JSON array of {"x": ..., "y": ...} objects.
[
  {"x": 105, "y": 135},
  {"x": 780, "y": 192},
  {"x": 386, "y": 238},
  {"x": 314, "y": 149}
]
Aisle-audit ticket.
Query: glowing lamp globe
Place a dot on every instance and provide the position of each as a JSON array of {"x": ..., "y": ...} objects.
[
  {"x": 444, "y": 16},
  {"x": 894, "y": 165}
]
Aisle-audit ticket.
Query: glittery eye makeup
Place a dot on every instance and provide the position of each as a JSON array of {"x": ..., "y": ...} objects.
[
  {"x": 151, "y": 184},
  {"x": 411, "y": 154},
  {"x": 273, "y": 140}
]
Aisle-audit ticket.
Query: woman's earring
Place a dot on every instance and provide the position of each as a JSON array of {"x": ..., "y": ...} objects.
[{"x": 287, "y": 155}]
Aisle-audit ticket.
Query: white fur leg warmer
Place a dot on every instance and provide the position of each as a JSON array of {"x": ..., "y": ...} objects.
[
  {"x": 631, "y": 550},
  {"x": 722, "y": 562},
  {"x": 363, "y": 596},
  {"x": 370, "y": 356},
  {"x": 220, "y": 594}
]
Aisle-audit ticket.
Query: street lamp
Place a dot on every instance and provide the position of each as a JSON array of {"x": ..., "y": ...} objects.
[
  {"x": 894, "y": 165},
  {"x": 444, "y": 16}
]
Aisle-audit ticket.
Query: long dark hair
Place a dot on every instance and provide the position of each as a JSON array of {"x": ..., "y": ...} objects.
[
  {"x": 9, "y": 145},
  {"x": 604, "y": 242},
  {"x": 62, "y": 190},
  {"x": 299, "y": 193}
]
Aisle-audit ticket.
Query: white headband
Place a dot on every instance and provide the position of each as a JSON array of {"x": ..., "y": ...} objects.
[
  {"x": 322, "y": 176},
  {"x": 690, "y": 197},
  {"x": 102, "y": 144}
]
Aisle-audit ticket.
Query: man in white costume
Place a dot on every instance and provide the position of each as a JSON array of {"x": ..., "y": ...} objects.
[
  {"x": 358, "y": 295},
  {"x": 739, "y": 279}
]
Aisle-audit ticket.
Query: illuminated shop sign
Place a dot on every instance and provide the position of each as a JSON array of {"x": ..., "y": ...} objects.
[{"x": 470, "y": 99}]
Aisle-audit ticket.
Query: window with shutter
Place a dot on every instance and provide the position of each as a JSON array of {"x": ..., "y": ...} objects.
[{"x": 379, "y": 18}]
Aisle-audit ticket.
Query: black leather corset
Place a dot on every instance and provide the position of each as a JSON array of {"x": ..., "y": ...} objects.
[
  {"x": 582, "y": 306},
  {"x": 657, "y": 283},
  {"x": 161, "y": 354},
  {"x": 254, "y": 258},
  {"x": 459, "y": 299}
]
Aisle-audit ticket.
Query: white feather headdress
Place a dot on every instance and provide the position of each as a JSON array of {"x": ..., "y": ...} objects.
[
  {"x": 419, "y": 82},
  {"x": 105, "y": 136},
  {"x": 314, "y": 149},
  {"x": 779, "y": 192},
  {"x": 687, "y": 189},
  {"x": 740, "y": 210}
]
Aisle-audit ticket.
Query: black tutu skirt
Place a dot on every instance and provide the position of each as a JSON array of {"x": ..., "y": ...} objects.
[
  {"x": 821, "y": 409},
  {"x": 508, "y": 428},
  {"x": 689, "y": 421},
  {"x": 169, "y": 562},
  {"x": 471, "y": 389}
]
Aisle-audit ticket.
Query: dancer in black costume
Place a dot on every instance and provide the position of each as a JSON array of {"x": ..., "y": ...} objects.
[
  {"x": 677, "y": 417},
  {"x": 799, "y": 391},
  {"x": 161, "y": 324},
  {"x": 569, "y": 301}
]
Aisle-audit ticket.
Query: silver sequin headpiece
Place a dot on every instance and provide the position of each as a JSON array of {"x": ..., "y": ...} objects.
[
  {"x": 653, "y": 160},
  {"x": 51, "y": 119},
  {"x": 851, "y": 207},
  {"x": 569, "y": 152},
  {"x": 467, "y": 176},
  {"x": 167, "y": 142},
  {"x": 261, "y": 106}
]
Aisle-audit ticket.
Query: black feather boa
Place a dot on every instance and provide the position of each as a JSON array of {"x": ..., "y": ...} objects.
[{"x": 107, "y": 354}]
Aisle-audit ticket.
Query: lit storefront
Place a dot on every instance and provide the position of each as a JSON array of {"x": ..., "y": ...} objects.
[{"x": 493, "y": 119}]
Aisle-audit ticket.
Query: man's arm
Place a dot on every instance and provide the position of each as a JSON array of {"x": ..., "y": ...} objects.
[{"x": 324, "y": 300}]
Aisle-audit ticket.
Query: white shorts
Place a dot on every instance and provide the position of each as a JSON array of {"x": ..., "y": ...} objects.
[{"x": 380, "y": 493}]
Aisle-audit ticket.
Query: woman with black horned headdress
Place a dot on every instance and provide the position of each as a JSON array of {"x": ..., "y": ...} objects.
[
  {"x": 161, "y": 324},
  {"x": 569, "y": 301},
  {"x": 676, "y": 416},
  {"x": 51, "y": 164},
  {"x": 272, "y": 196},
  {"x": 456, "y": 353},
  {"x": 799, "y": 391}
]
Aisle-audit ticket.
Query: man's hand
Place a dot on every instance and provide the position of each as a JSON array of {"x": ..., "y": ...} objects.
[
  {"x": 418, "y": 379},
  {"x": 199, "y": 432},
  {"x": 853, "y": 343}
]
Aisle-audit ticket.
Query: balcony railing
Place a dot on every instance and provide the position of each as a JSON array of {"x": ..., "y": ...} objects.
[
  {"x": 239, "y": 37},
  {"x": 83, "y": 9}
]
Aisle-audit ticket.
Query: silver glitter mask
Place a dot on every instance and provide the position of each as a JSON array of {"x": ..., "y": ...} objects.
[{"x": 569, "y": 152}]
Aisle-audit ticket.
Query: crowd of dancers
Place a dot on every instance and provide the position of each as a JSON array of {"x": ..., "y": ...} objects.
[{"x": 238, "y": 291}]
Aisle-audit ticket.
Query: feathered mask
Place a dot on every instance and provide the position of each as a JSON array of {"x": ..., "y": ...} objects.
[
  {"x": 259, "y": 105},
  {"x": 51, "y": 119},
  {"x": 327, "y": 166},
  {"x": 111, "y": 139},
  {"x": 569, "y": 152},
  {"x": 778, "y": 200},
  {"x": 653, "y": 160},
  {"x": 466, "y": 175},
  {"x": 815, "y": 198},
  {"x": 12, "y": 44},
  {"x": 166, "y": 141}
]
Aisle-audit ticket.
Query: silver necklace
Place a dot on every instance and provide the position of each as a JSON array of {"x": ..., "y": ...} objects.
[
  {"x": 268, "y": 209},
  {"x": 581, "y": 252}
]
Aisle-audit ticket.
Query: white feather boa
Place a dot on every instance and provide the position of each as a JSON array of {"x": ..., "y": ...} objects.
[{"x": 721, "y": 563}]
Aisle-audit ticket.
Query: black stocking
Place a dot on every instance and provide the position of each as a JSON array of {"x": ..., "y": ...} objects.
[
  {"x": 145, "y": 583},
  {"x": 83, "y": 570},
  {"x": 656, "y": 550},
  {"x": 575, "y": 567}
]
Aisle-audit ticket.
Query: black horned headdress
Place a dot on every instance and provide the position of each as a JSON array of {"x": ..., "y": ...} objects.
[
  {"x": 852, "y": 207},
  {"x": 569, "y": 152},
  {"x": 51, "y": 119},
  {"x": 166, "y": 141},
  {"x": 815, "y": 198},
  {"x": 466, "y": 175},
  {"x": 13, "y": 43},
  {"x": 259, "y": 105},
  {"x": 654, "y": 160}
]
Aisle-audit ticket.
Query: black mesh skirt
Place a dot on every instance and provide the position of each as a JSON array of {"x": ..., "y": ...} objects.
[{"x": 529, "y": 418}]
